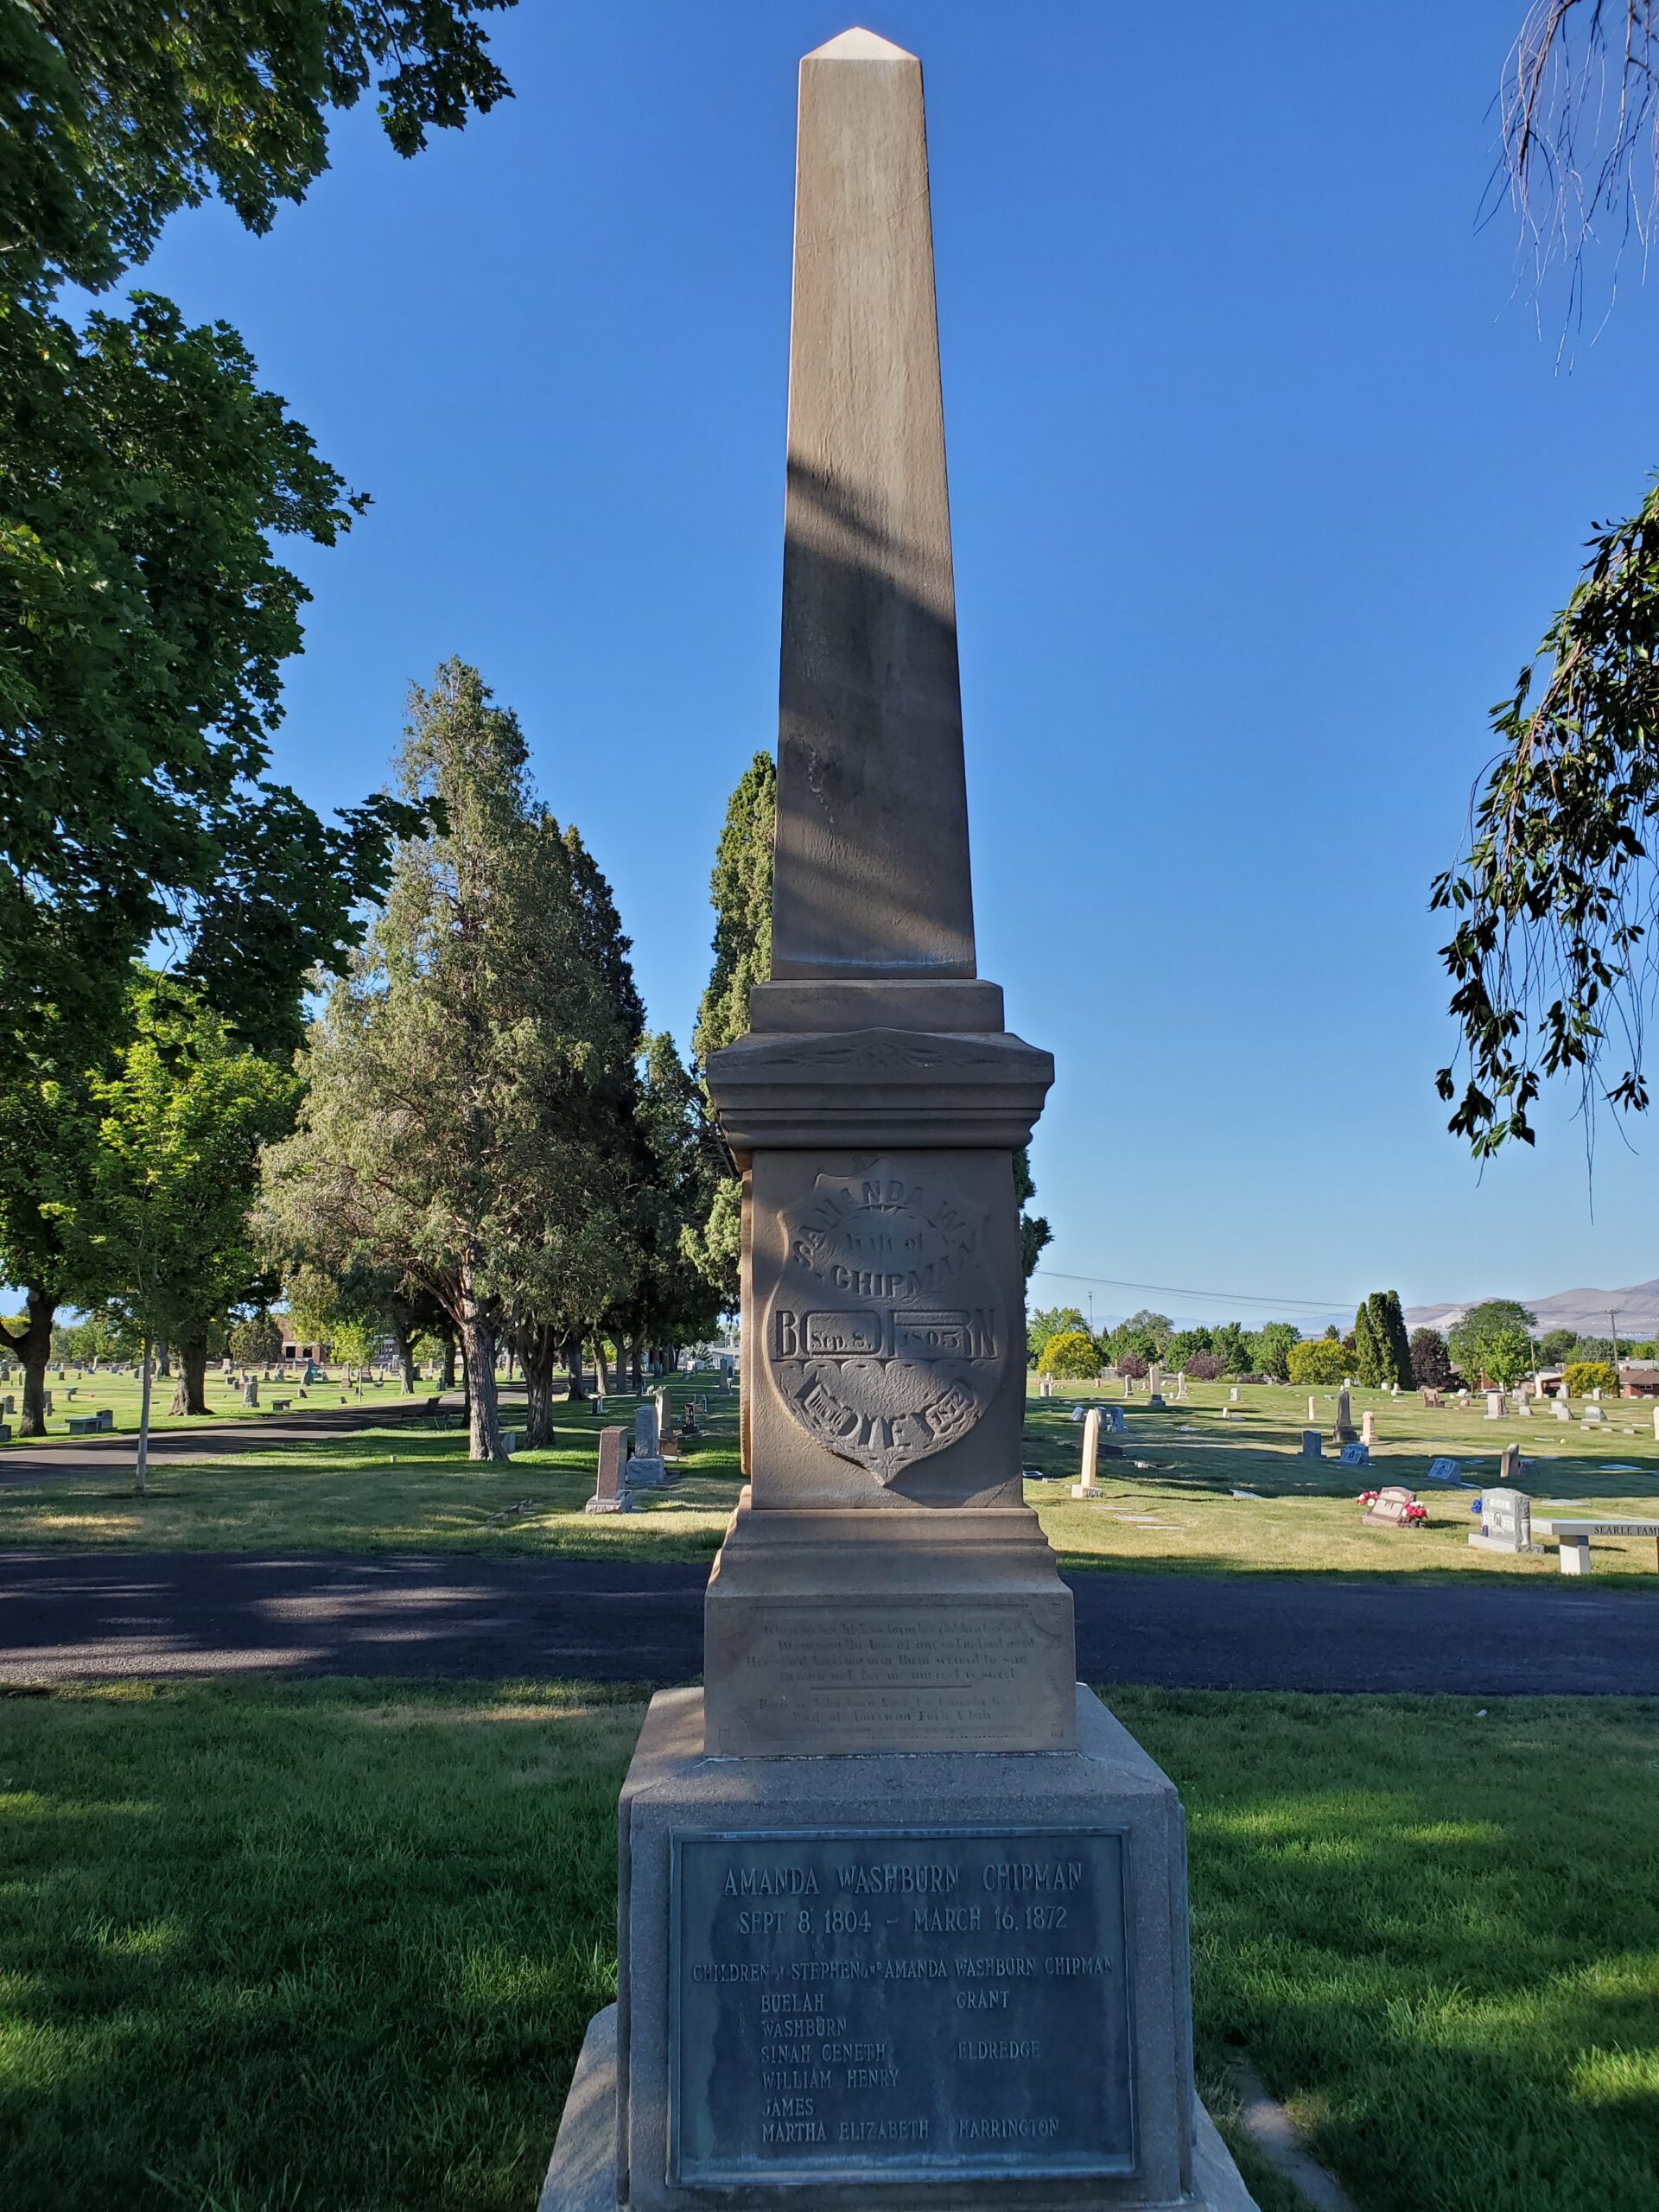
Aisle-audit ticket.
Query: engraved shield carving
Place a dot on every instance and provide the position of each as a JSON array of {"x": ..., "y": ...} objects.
[{"x": 883, "y": 1335}]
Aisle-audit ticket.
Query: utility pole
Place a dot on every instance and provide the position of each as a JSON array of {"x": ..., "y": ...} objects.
[{"x": 1612, "y": 1323}]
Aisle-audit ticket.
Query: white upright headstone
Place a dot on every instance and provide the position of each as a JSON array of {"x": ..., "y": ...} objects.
[
  {"x": 1368, "y": 1429},
  {"x": 1494, "y": 1405},
  {"x": 1084, "y": 1486}
]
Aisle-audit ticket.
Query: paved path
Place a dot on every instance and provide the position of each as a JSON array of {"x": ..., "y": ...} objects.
[
  {"x": 208, "y": 1440},
  {"x": 68, "y": 1615}
]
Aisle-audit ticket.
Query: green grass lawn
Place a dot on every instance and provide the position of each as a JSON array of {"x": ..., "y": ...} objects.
[
  {"x": 404, "y": 1488},
  {"x": 1168, "y": 1503},
  {"x": 333, "y": 1945},
  {"x": 121, "y": 1393},
  {"x": 1167, "y": 1506}
]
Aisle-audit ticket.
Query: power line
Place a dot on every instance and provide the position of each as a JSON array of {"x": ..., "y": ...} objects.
[{"x": 1176, "y": 1290}]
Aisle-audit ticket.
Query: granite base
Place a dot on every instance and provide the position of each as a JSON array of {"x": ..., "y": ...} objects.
[{"x": 916, "y": 1914}]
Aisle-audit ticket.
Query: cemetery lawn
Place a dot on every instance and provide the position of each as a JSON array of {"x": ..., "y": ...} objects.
[
  {"x": 268, "y": 1945},
  {"x": 1168, "y": 1505},
  {"x": 345, "y": 1495}
]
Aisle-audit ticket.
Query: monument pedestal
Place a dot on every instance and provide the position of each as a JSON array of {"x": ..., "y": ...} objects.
[
  {"x": 892, "y": 1983},
  {"x": 922, "y": 1630}
]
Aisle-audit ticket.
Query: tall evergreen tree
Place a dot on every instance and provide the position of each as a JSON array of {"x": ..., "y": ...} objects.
[
  {"x": 740, "y": 890},
  {"x": 464, "y": 1078},
  {"x": 1393, "y": 1342},
  {"x": 1367, "y": 1353}
]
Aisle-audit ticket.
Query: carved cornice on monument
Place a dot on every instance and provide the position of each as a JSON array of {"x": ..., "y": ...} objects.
[{"x": 875, "y": 1089}]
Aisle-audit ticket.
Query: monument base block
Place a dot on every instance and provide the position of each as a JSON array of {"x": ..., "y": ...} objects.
[
  {"x": 886, "y": 1983},
  {"x": 905, "y": 1630},
  {"x": 582, "y": 2173}
]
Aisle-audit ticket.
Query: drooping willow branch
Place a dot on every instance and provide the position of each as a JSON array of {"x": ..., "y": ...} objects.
[
  {"x": 1578, "y": 111},
  {"x": 1552, "y": 956}
]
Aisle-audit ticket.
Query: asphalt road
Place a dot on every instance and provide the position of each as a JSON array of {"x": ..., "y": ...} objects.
[{"x": 66, "y": 1617}]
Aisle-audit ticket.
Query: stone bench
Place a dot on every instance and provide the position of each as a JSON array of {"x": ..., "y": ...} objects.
[
  {"x": 83, "y": 1424},
  {"x": 1573, "y": 1536}
]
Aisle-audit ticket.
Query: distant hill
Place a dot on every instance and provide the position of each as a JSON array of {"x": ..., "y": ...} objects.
[{"x": 1584, "y": 1310}]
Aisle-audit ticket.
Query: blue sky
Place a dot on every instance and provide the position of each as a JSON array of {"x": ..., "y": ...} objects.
[{"x": 1265, "y": 476}]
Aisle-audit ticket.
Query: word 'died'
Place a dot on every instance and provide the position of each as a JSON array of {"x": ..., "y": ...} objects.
[{"x": 883, "y": 1334}]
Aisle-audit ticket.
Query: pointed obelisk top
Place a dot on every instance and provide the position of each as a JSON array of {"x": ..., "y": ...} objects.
[
  {"x": 859, "y": 45},
  {"x": 871, "y": 877}
]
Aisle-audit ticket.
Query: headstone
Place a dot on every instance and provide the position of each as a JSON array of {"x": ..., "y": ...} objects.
[
  {"x": 1445, "y": 1471},
  {"x": 1118, "y": 1425},
  {"x": 842, "y": 1833},
  {"x": 1593, "y": 1412},
  {"x": 1368, "y": 1429},
  {"x": 1355, "y": 1455},
  {"x": 1312, "y": 1444},
  {"x": 1346, "y": 1430},
  {"x": 1564, "y": 1412},
  {"x": 1155, "y": 1402},
  {"x": 1394, "y": 1508},
  {"x": 1045, "y": 1386},
  {"x": 1511, "y": 1465},
  {"x": 1313, "y": 1406},
  {"x": 1232, "y": 1395},
  {"x": 644, "y": 1429},
  {"x": 610, "y": 1489},
  {"x": 251, "y": 1391},
  {"x": 1523, "y": 1404},
  {"x": 1084, "y": 1485},
  {"x": 1505, "y": 1520},
  {"x": 1655, "y": 1422},
  {"x": 1494, "y": 1405}
]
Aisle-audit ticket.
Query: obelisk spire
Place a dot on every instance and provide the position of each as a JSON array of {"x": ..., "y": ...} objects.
[{"x": 872, "y": 873}]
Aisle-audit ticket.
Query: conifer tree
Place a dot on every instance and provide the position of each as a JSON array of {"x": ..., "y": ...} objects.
[
  {"x": 1393, "y": 1343},
  {"x": 1367, "y": 1353},
  {"x": 470, "y": 1079}
]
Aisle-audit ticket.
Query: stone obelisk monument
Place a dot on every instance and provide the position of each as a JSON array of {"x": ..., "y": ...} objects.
[{"x": 902, "y": 1909}]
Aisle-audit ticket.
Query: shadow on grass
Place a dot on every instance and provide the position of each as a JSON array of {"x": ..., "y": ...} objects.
[
  {"x": 1425, "y": 1928},
  {"x": 272, "y": 1947}
]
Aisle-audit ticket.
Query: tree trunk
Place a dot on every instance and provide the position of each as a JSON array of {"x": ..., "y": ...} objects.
[
  {"x": 578, "y": 1389},
  {"x": 636, "y": 1362},
  {"x": 447, "y": 1382},
  {"x": 538, "y": 1352},
  {"x": 141, "y": 1463},
  {"x": 163, "y": 1369},
  {"x": 33, "y": 1344},
  {"x": 405, "y": 1338},
  {"x": 477, "y": 1359},
  {"x": 601, "y": 1370},
  {"x": 190, "y": 1395}
]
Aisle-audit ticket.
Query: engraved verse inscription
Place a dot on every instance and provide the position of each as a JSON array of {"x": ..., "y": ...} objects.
[
  {"x": 909, "y": 2004},
  {"x": 968, "y": 1676},
  {"x": 884, "y": 1334}
]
